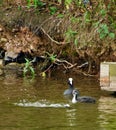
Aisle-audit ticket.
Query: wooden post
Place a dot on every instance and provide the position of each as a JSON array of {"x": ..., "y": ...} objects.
[
  {"x": 108, "y": 76},
  {"x": 104, "y": 75}
]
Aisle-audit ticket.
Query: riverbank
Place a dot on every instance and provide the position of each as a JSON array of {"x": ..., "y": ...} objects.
[{"x": 72, "y": 39}]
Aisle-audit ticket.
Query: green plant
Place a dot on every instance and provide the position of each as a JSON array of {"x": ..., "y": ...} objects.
[
  {"x": 74, "y": 20},
  {"x": 35, "y": 3},
  {"x": 1, "y": 2},
  {"x": 103, "y": 12},
  {"x": 87, "y": 17},
  {"x": 70, "y": 35},
  {"x": 76, "y": 42},
  {"x": 60, "y": 15},
  {"x": 28, "y": 68},
  {"x": 104, "y": 31},
  {"x": 52, "y": 57},
  {"x": 53, "y": 10},
  {"x": 106, "y": 28},
  {"x": 28, "y": 3},
  {"x": 68, "y": 3}
]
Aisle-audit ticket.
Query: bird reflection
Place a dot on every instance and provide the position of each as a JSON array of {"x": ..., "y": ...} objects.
[{"x": 71, "y": 116}]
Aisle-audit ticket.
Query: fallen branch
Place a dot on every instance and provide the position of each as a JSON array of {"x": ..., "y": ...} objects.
[
  {"x": 64, "y": 63},
  {"x": 86, "y": 74},
  {"x": 79, "y": 67}
]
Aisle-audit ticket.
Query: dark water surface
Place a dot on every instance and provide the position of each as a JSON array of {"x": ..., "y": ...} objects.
[{"x": 39, "y": 104}]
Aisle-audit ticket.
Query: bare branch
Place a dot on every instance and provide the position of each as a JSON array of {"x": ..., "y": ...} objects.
[
  {"x": 51, "y": 39},
  {"x": 64, "y": 63}
]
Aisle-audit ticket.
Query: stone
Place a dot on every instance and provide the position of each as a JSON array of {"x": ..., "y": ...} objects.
[
  {"x": 1, "y": 29},
  {"x": 3, "y": 39},
  {"x": 1, "y": 62},
  {"x": 11, "y": 54}
]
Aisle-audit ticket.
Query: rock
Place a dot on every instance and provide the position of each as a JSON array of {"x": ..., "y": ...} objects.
[
  {"x": 11, "y": 54},
  {"x": 12, "y": 70},
  {"x": 14, "y": 66},
  {"x": 1, "y": 72},
  {"x": 10, "y": 57},
  {"x": 1, "y": 63},
  {"x": 3, "y": 39},
  {"x": 1, "y": 30},
  {"x": 14, "y": 30}
]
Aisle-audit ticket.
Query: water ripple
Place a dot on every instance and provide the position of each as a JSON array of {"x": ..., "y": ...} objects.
[{"x": 42, "y": 104}]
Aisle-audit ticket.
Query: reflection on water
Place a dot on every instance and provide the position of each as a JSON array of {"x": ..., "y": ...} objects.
[
  {"x": 108, "y": 85},
  {"x": 107, "y": 108},
  {"x": 71, "y": 116}
]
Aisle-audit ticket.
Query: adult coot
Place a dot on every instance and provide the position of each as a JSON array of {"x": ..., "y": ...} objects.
[{"x": 71, "y": 87}]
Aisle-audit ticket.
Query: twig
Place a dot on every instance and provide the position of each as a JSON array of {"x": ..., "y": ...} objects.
[
  {"x": 52, "y": 40},
  {"x": 48, "y": 68},
  {"x": 64, "y": 63},
  {"x": 79, "y": 67},
  {"x": 86, "y": 74},
  {"x": 42, "y": 24}
]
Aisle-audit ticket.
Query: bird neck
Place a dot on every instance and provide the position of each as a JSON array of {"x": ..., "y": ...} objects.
[
  {"x": 74, "y": 100},
  {"x": 71, "y": 86}
]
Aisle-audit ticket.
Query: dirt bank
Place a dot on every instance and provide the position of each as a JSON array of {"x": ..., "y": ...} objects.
[{"x": 65, "y": 39}]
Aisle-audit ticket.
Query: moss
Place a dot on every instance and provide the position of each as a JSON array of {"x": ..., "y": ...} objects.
[{"x": 112, "y": 70}]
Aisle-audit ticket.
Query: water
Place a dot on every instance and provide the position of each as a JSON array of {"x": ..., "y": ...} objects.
[{"x": 39, "y": 104}]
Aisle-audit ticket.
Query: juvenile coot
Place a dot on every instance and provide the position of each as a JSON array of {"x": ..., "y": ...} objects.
[
  {"x": 71, "y": 87},
  {"x": 76, "y": 98}
]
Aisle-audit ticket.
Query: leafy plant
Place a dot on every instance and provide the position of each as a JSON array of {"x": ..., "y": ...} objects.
[
  {"x": 1, "y": 2},
  {"x": 68, "y": 3},
  {"x": 74, "y": 20},
  {"x": 103, "y": 12},
  {"x": 35, "y": 3},
  {"x": 70, "y": 35},
  {"x": 39, "y": 3},
  {"x": 53, "y": 10},
  {"x": 104, "y": 31},
  {"x": 52, "y": 57},
  {"x": 76, "y": 42},
  {"x": 60, "y": 15},
  {"x": 28, "y": 68},
  {"x": 87, "y": 17},
  {"x": 28, "y": 3}
]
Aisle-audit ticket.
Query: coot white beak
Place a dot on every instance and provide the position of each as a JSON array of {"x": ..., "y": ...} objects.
[{"x": 70, "y": 80}]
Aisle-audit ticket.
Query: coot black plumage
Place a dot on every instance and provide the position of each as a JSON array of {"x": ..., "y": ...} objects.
[
  {"x": 71, "y": 87},
  {"x": 76, "y": 98}
]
